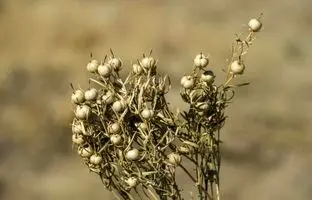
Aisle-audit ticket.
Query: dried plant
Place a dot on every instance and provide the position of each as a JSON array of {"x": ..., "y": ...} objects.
[{"x": 126, "y": 133}]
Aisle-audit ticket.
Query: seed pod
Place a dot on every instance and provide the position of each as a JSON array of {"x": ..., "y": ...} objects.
[
  {"x": 118, "y": 106},
  {"x": 202, "y": 105},
  {"x": 137, "y": 69},
  {"x": 237, "y": 67},
  {"x": 77, "y": 139},
  {"x": 201, "y": 60},
  {"x": 254, "y": 25},
  {"x": 174, "y": 158},
  {"x": 133, "y": 155},
  {"x": 83, "y": 112},
  {"x": 187, "y": 82},
  {"x": 93, "y": 66},
  {"x": 116, "y": 139},
  {"x": 86, "y": 151},
  {"x": 108, "y": 98},
  {"x": 132, "y": 182},
  {"x": 208, "y": 76},
  {"x": 77, "y": 97},
  {"x": 143, "y": 126},
  {"x": 115, "y": 63},
  {"x": 77, "y": 128},
  {"x": 147, "y": 114},
  {"x": 114, "y": 128},
  {"x": 91, "y": 94},
  {"x": 96, "y": 159},
  {"x": 104, "y": 70},
  {"x": 148, "y": 62}
]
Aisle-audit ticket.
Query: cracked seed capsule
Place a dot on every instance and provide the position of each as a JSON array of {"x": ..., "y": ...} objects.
[
  {"x": 93, "y": 66},
  {"x": 77, "y": 97},
  {"x": 91, "y": 94},
  {"x": 83, "y": 112},
  {"x": 237, "y": 67},
  {"x": 96, "y": 159},
  {"x": 133, "y": 155},
  {"x": 255, "y": 25}
]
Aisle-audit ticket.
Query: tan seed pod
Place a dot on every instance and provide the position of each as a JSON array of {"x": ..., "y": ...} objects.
[
  {"x": 208, "y": 77},
  {"x": 114, "y": 128},
  {"x": 255, "y": 25},
  {"x": 115, "y": 63},
  {"x": 77, "y": 97},
  {"x": 91, "y": 94},
  {"x": 147, "y": 114},
  {"x": 93, "y": 66},
  {"x": 108, "y": 98},
  {"x": 86, "y": 151},
  {"x": 133, "y": 155},
  {"x": 83, "y": 112},
  {"x": 237, "y": 67},
  {"x": 201, "y": 60},
  {"x": 184, "y": 149},
  {"x": 137, "y": 69},
  {"x": 116, "y": 139},
  {"x": 148, "y": 62},
  {"x": 118, "y": 106},
  {"x": 187, "y": 82},
  {"x": 77, "y": 139},
  {"x": 96, "y": 159},
  {"x": 104, "y": 70}
]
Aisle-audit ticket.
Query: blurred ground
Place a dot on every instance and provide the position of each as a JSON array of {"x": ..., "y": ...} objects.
[{"x": 44, "y": 45}]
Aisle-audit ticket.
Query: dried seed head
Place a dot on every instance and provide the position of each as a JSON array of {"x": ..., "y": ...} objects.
[
  {"x": 104, "y": 70},
  {"x": 116, "y": 139},
  {"x": 137, "y": 69},
  {"x": 254, "y": 25},
  {"x": 83, "y": 112},
  {"x": 187, "y": 82},
  {"x": 118, "y": 106},
  {"x": 115, "y": 63},
  {"x": 93, "y": 66},
  {"x": 108, "y": 98},
  {"x": 86, "y": 151},
  {"x": 208, "y": 76},
  {"x": 237, "y": 67},
  {"x": 133, "y": 155},
  {"x": 114, "y": 128},
  {"x": 147, "y": 114},
  {"x": 174, "y": 158},
  {"x": 201, "y": 60},
  {"x": 202, "y": 105},
  {"x": 148, "y": 62},
  {"x": 91, "y": 94},
  {"x": 96, "y": 159},
  {"x": 77, "y": 139},
  {"x": 132, "y": 182},
  {"x": 77, "y": 97}
]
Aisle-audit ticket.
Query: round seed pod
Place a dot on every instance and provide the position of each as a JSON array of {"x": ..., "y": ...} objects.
[
  {"x": 187, "y": 82},
  {"x": 114, "y": 128},
  {"x": 147, "y": 114},
  {"x": 143, "y": 126},
  {"x": 254, "y": 25},
  {"x": 116, "y": 139},
  {"x": 132, "y": 182},
  {"x": 96, "y": 159},
  {"x": 118, "y": 106},
  {"x": 104, "y": 70},
  {"x": 148, "y": 62},
  {"x": 77, "y": 128},
  {"x": 93, "y": 66},
  {"x": 77, "y": 97},
  {"x": 202, "y": 105},
  {"x": 91, "y": 94},
  {"x": 237, "y": 67},
  {"x": 115, "y": 63},
  {"x": 208, "y": 76},
  {"x": 133, "y": 155},
  {"x": 174, "y": 158},
  {"x": 86, "y": 151},
  {"x": 77, "y": 139},
  {"x": 83, "y": 112},
  {"x": 201, "y": 60},
  {"x": 137, "y": 69},
  {"x": 108, "y": 98}
]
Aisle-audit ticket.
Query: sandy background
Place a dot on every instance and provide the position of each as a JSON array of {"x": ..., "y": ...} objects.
[{"x": 45, "y": 45}]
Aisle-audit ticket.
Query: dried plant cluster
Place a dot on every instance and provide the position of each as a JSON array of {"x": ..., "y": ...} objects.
[{"x": 125, "y": 131}]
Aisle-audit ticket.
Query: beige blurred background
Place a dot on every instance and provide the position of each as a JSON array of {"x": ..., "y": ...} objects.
[{"x": 45, "y": 45}]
